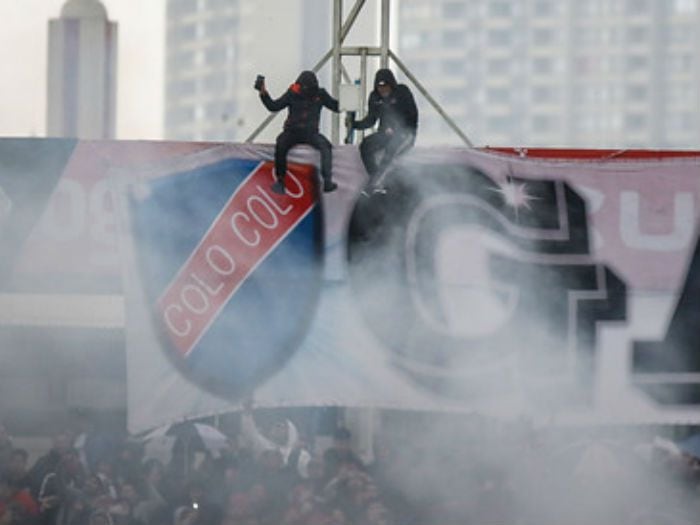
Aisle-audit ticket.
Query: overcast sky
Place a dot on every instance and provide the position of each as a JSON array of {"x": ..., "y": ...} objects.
[{"x": 24, "y": 30}]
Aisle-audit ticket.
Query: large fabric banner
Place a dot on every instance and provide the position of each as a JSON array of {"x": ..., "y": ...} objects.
[
  {"x": 563, "y": 287},
  {"x": 563, "y": 290}
]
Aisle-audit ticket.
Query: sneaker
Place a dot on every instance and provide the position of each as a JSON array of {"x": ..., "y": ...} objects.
[
  {"x": 379, "y": 189},
  {"x": 329, "y": 185},
  {"x": 278, "y": 187}
]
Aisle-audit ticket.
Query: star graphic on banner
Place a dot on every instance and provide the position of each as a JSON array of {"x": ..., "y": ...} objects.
[{"x": 515, "y": 194}]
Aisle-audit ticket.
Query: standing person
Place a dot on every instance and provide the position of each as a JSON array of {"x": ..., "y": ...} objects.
[
  {"x": 304, "y": 100},
  {"x": 282, "y": 436},
  {"x": 393, "y": 105}
]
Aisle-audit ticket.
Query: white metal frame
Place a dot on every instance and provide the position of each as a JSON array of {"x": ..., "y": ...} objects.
[{"x": 383, "y": 51}]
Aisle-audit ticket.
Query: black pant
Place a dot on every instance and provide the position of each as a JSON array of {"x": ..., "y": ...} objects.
[
  {"x": 291, "y": 137},
  {"x": 379, "y": 149}
]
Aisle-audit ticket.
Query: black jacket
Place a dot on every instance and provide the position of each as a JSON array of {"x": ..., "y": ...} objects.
[
  {"x": 398, "y": 111},
  {"x": 304, "y": 99}
]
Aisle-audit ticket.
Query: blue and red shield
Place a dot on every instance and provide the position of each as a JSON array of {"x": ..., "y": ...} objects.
[{"x": 231, "y": 270}]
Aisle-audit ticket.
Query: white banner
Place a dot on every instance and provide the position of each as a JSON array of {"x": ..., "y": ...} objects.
[{"x": 475, "y": 282}]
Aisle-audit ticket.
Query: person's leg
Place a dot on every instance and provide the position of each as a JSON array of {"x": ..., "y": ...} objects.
[
  {"x": 325, "y": 148},
  {"x": 370, "y": 146},
  {"x": 283, "y": 144},
  {"x": 398, "y": 144}
]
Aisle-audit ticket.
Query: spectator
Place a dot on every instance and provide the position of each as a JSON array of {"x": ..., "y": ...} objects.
[
  {"x": 16, "y": 468},
  {"x": 342, "y": 438},
  {"x": 60, "y": 489},
  {"x": 17, "y": 506},
  {"x": 122, "y": 509},
  {"x": 5, "y": 446},
  {"x": 48, "y": 463},
  {"x": 282, "y": 436},
  {"x": 153, "y": 504}
]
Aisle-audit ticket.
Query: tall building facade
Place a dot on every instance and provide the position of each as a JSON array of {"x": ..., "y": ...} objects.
[
  {"x": 82, "y": 65},
  {"x": 214, "y": 50},
  {"x": 598, "y": 73}
]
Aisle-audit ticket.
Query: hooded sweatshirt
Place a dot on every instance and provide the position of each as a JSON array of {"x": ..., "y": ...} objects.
[
  {"x": 304, "y": 100},
  {"x": 397, "y": 111}
]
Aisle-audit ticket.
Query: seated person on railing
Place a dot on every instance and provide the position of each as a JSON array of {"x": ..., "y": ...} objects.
[{"x": 393, "y": 105}]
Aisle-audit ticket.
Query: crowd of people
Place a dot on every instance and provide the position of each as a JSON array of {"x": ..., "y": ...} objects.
[
  {"x": 263, "y": 477},
  {"x": 270, "y": 473}
]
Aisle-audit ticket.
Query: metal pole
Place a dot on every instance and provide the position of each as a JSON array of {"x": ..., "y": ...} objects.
[
  {"x": 430, "y": 99},
  {"x": 335, "y": 87},
  {"x": 385, "y": 34},
  {"x": 352, "y": 16},
  {"x": 363, "y": 85},
  {"x": 340, "y": 31}
]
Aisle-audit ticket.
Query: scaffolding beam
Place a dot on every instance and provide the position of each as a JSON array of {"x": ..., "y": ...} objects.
[{"x": 383, "y": 51}]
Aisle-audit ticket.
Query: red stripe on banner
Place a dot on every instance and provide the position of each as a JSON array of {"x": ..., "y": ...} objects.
[
  {"x": 246, "y": 231},
  {"x": 593, "y": 154}
]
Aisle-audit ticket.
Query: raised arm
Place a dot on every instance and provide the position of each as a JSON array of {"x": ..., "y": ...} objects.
[{"x": 274, "y": 104}]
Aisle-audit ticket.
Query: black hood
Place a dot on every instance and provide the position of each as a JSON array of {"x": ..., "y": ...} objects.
[
  {"x": 385, "y": 76},
  {"x": 308, "y": 83}
]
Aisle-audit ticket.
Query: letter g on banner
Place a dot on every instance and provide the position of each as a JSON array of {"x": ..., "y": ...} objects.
[{"x": 478, "y": 287}]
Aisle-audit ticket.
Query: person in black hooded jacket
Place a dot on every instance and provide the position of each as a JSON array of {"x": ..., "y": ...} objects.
[
  {"x": 393, "y": 105},
  {"x": 303, "y": 100}
]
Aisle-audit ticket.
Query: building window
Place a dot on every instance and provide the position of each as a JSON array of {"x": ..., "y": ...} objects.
[
  {"x": 637, "y": 7},
  {"x": 181, "y": 7},
  {"x": 179, "y": 33},
  {"x": 543, "y": 7},
  {"x": 215, "y": 83},
  {"x": 680, "y": 63},
  {"x": 498, "y": 95},
  {"x": 682, "y": 34},
  {"x": 634, "y": 121},
  {"x": 453, "y": 96},
  {"x": 453, "y": 38},
  {"x": 453, "y": 67},
  {"x": 215, "y": 56},
  {"x": 413, "y": 40},
  {"x": 499, "y": 37},
  {"x": 180, "y": 61},
  {"x": 220, "y": 27},
  {"x": 636, "y": 93},
  {"x": 545, "y": 95},
  {"x": 542, "y": 37},
  {"x": 498, "y": 66},
  {"x": 683, "y": 94},
  {"x": 543, "y": 123},
  {"x": 220, "y": 4},
  {"x": 542, "y": 65},
  {"x": 180, "y": 116},
  {"x": 499, "y": 124},
  {"x": 454, "y": 10},
  {"x": 685, "y": 6},
  {"x": 182, "y": 88},
  {"x": 680, "y": 122},
  {"x": 636, "y": 63},
  {"x": 499, "y": 8},
  {"x": 637, "y": 35}
]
